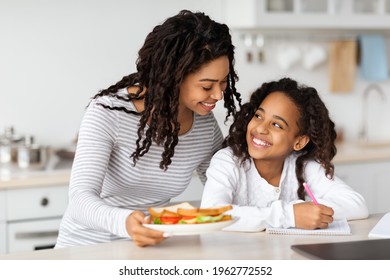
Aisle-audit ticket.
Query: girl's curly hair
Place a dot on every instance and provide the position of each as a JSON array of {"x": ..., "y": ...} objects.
[
  {"x": 178, "y": 47},
  {"x": 314, "y": 122}
]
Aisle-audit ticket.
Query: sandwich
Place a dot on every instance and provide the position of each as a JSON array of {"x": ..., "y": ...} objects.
[{"x": 185, "y": 213}]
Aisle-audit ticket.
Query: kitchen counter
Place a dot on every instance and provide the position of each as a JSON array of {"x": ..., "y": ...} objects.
[
  {"x": 12, "y": 177},
  {"x": 353, "y": 152},
  {"x": 215, "y": 245},
  {"x": 36, "y": 179}
]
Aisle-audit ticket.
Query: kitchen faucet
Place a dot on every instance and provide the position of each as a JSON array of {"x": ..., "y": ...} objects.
[{"x": 371, "y": 87}]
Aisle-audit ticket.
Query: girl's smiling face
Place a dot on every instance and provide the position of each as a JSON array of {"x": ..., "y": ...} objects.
[{"x": 273, "y": 132}]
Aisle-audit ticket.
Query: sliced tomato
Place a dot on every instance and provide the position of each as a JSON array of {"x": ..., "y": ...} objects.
[{"x": 170, "y": 220}]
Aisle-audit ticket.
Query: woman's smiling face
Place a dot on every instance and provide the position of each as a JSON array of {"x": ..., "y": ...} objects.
[
  {"x": 273, "y": 132},
  {"x": 200, "y": 91}
]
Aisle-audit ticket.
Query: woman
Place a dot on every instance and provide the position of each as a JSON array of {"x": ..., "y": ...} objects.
[{"x": 141, "y": 139}]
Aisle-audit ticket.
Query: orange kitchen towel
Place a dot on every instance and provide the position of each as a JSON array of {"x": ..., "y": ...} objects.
[{"x": 342, "y": 65}]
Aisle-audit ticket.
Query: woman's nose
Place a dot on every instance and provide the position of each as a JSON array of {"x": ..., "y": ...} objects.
[{"x": 217, "y": 94}]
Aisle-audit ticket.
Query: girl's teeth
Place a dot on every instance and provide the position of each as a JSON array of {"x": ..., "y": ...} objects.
[
  {"x": 260, "y": 142},
  {"x": 208, "y": 104}
]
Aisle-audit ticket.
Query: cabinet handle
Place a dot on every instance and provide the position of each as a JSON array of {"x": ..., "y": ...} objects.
[
  {"x": 43, "y": 247},
  {"x": 40, "y": 234},
  {"x": 45, "y": 201}
]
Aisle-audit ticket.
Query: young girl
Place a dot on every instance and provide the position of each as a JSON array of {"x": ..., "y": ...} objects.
[
  {"x": 280, "y": 139},
  {"x": 142, "y": 138}
]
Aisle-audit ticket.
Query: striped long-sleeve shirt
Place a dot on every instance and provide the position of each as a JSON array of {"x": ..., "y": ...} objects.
[{"x": 105, "y": 186}]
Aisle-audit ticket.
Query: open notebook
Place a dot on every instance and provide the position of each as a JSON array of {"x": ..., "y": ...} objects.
[
  {"x": 382, "y": 228},
  {"x": 339, "y": 227}
]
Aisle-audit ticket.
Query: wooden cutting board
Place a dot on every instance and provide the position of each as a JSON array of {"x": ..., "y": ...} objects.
[{"x": 342, "y": 65}]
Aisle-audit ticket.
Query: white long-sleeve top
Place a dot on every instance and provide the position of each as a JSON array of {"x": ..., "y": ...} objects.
[{"x": 258, "y": 204}]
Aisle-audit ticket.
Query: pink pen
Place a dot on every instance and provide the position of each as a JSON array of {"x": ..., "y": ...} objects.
[{"x": 308, "y": 191}]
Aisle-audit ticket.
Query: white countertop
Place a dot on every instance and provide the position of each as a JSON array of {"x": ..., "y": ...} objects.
[
  {"x": 214, "y": 245},
  {"x": 12, "y": 177},
  {"x": 36, "y": 179},
  {"x": 351, "y": 152}
]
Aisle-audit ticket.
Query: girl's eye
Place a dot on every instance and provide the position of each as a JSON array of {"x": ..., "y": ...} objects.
[
  {"x": 277, "y": 125},
  {"x": 207, "y": 88},
  {"x": 258, "y": 116}
]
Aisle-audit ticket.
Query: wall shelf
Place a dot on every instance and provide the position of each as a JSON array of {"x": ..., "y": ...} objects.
[{"x": 339, "y": 14}]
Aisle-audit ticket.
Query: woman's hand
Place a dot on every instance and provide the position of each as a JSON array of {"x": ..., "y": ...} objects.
[
  {"x": 310, "y": 216},
  {"x": 142, "y": 236}
]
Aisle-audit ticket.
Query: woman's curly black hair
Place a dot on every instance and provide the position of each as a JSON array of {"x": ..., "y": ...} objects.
[
  {"x": 314, "y": 122},
  {"x": 174, "y": 49}
]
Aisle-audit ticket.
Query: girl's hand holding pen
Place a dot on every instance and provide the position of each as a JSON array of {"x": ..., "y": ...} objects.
[
  {"x": 310, "y": 216},
  {"x": 142, "y": 236}
]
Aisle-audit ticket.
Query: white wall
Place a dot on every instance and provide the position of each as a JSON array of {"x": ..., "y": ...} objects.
[{"x": 55, "y": 55}]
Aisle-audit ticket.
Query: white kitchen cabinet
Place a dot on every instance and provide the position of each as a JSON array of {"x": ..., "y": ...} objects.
[
  {"x": 34, "y": 203},
  {"x": 371, "y": 179},
  {"x": 30, "y": 217},
  {"x": 307, "y": 14},
  {"x": 32, "y": 235},
  {"x": 3, "y": 237}
]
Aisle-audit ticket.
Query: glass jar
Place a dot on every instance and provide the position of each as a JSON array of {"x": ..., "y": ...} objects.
[{"x": 9, "y": 143}]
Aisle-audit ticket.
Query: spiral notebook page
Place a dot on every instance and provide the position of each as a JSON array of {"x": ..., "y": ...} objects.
[
  {"x": 340, "y": 227},
  {"x": 382, "y": 228}
]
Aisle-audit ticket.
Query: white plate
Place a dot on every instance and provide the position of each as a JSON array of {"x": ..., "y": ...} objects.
[{"x": 190, "y": 229}]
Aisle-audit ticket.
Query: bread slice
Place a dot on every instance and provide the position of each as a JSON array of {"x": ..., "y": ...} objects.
[
  {"x": 170, "y": 211},
  {"x": 213, "y": 211}
]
